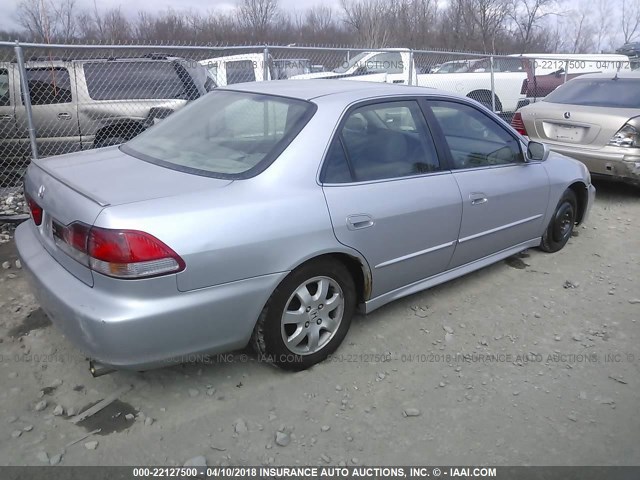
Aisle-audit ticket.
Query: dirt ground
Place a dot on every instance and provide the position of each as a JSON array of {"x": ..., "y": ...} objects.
[{"x": 532, "y": 361}]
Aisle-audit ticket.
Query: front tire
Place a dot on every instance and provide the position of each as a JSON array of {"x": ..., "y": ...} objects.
[
  {"x": 561, "y": 225},
  {"x": 307, "y": 316}
]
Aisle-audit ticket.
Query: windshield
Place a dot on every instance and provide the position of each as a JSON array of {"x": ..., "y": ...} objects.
[
  {"x": 598, "y": 92},
  {"x": 224, "y": 134},
  {"x": 346, "y": 66}
]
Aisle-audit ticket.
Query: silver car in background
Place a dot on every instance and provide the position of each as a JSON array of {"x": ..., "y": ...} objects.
[
  {"x": 267, "y": 212},
  {"x": 594, "y": 118}
]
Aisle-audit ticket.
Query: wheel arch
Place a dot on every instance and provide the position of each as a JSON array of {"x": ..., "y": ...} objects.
[
  {"x": 582, "y": 194},
  {"x": 355, "y": 264},
  {"x": 483, "y": 95},
  {"x": 124, "y": 128}
]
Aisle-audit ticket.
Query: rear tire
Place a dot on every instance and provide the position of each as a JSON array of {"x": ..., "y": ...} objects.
[
  {"x": 561, "y": 225},
  {"x": 307, "y": 316}
]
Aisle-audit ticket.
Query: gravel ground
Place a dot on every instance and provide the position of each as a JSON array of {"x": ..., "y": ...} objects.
[{"x": 534, "y": 360}]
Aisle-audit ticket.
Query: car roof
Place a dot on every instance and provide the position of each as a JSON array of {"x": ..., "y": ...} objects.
[
  {"x": 611, "y": 76},
  {"x": 315, "y": 88}
]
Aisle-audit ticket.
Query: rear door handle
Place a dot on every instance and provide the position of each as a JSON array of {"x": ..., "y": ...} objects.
[
  {"x": 357, "y": 222},
  {"x": 64, "y": 116},
  {"x": 478, "y": 198}
]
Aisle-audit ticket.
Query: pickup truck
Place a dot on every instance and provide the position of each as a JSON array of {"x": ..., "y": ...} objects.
[{"x": 396, "y": 66}]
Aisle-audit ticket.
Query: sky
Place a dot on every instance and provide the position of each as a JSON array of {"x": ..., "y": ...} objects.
[{"x": 131, "y": 8}]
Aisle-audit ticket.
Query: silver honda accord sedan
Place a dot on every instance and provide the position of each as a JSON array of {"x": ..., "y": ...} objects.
[{"x": 266, "y": 213}]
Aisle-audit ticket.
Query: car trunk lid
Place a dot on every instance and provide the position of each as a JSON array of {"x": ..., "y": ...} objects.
[
  {"x": 77, "y": 187},
  {"x": 587, "y": 126}
]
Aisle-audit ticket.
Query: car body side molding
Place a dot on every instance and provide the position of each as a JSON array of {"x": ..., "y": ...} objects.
[{"x": 381, "y": 300}]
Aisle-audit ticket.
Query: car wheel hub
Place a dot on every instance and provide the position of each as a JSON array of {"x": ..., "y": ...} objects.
[
  {"x": 312, "y": 315},
  {"x": 563, "y": 222}
]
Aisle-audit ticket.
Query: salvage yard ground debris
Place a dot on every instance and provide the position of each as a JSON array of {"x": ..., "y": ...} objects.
[{"x": 558, "y": 384}]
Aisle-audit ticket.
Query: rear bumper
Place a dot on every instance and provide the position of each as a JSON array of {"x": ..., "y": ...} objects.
[
  {"x": 605, "y": 162},
  {"x": 126, "y": 330}
]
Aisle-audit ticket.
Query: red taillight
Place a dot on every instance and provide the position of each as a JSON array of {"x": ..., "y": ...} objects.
[
  {"x": 36, "y": 210},
  {"x": 518, "y": 124},
  {"x": 117, "y": 253}
]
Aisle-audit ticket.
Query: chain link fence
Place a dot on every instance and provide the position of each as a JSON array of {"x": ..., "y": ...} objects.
[{"x": 57, "y": 99}]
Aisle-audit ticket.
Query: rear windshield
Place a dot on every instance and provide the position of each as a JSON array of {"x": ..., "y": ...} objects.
[
  {"x": 225, "y": 134},
  {"x": 598, "y": 92}
]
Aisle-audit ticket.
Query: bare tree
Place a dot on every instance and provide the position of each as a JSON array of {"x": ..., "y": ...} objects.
[
  {"x": 38, "y": 17},
  {"x": 457, "y": 26},
  {"x": 630, "y": 19},
  {"x": 258, "y": 16},
  {"x": 65, "y": 19},
  {"x": 528, "y": 15},
  {"x": 319, "y": 18},
  {"x": 368, "y": 18},
  {"x": 582, "y": 32},
  {"x": 604, "y": 24},
  {"x": 489, "y": 16},
  {"x": 414, "y": 22}
]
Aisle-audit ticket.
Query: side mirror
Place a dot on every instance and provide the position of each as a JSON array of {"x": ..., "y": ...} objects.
[{"x": 537, "y": 152}]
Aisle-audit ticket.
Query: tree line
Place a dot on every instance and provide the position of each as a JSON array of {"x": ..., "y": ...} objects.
[{"x": 490, "y": 26}]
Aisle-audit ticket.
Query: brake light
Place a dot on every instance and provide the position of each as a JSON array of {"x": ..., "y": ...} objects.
[
  {"x": 128, "y": 254},
  {"x": 518, "y": 124},
  {"x": 34, "y": 208}
]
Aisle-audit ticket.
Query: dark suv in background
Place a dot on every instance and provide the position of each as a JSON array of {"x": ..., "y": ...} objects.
[{"x": 81, "y": 104}]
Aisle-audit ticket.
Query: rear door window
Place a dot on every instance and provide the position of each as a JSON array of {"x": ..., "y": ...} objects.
[
  {"x": 382, "y": 141},
  {"x": 144, "y": 80}
]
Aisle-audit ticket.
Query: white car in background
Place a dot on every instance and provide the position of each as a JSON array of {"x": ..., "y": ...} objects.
[{"x": 248, "y": 67}]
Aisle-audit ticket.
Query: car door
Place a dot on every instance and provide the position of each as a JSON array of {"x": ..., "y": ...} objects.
[
  {"x": 11, "y": 146},
  {"x": 504, "y": 197},
  {"x": 54, "y": 109},
  {"x": 389, "y": 196}
]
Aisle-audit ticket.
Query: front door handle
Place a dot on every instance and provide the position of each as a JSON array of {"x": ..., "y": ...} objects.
[
  {"x": 357, "y": 222},
  {"x": 478, "y": 198},
  {"x": 64, "y": 116},
  {"x": 6, "y": 117}
]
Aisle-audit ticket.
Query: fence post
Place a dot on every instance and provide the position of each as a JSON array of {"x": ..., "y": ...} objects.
[
  {"x": 493, "y": 86},
  {"x": 566, "y": 69},
  {"x": 411, "y": 66},
  {"x": 26, "y": 99},
  {"x": 265, "y": 66}
]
